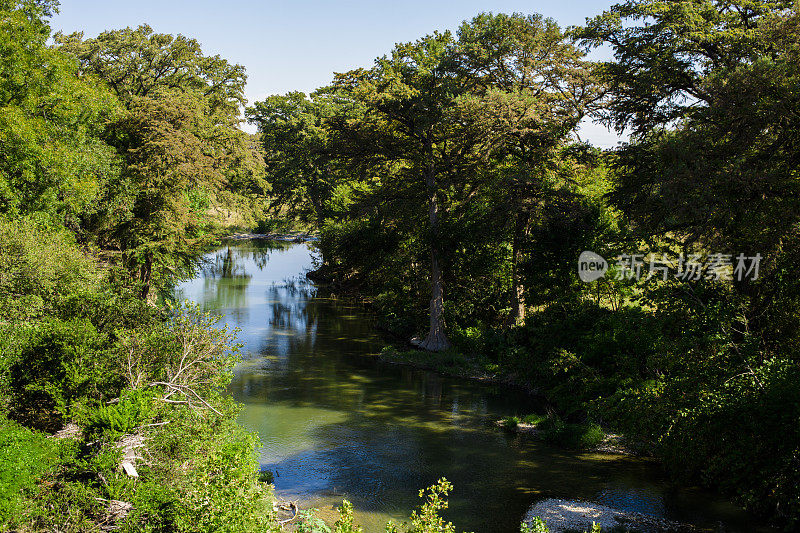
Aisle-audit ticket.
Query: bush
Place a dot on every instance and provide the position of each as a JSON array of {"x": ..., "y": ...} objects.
[
  {"x": 203, "y": 476},
  {"x": 345, "y": 523},
  {"x": 574, "y": 436},
  {"x": 533, "y": 419},
  {"x": 743, "y": 437},
  {"x": 510, "y": 422},
  {"x": 60, "y": 370},
  {"x": 536, "y": 525},
  {"x": 427, "y": 519},
  {"x": 39, "y": 265}
]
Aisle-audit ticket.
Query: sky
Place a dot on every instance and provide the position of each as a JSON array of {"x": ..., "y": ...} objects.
[{"x": 297, "y": 46}]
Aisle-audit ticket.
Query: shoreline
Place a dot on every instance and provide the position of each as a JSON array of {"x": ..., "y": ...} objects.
[
  {"x": 437, "y": 362},
  {"x": 292, "y": 236}
]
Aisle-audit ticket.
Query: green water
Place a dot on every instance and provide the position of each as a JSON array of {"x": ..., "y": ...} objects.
[{"x": 335, "y": 423}]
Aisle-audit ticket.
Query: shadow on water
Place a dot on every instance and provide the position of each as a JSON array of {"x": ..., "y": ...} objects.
[{"x": 336, "y": 423}]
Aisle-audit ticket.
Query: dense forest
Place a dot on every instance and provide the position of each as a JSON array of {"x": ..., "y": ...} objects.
[{"x": 451, "y": 192}]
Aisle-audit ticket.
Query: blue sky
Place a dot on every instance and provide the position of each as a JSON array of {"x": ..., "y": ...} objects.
[{"x": 289, "y": 46}]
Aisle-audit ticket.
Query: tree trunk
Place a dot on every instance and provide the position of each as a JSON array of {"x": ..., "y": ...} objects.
[
  {"x": 436, "y": 340},
  {"x": 145, "y": 276},
  {"x": 517, "y": 288}
]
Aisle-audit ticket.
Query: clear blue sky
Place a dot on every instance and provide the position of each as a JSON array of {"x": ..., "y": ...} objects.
[{"x": 289, "y": 46}]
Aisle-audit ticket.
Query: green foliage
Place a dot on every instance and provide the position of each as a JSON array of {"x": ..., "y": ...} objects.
[
  {"x": 575, "y": 436},
  {"x": 311, "y": 524},
  {"x": 345, "y": 522},
  {"x": 204, "y": 477},
  {"x": 40, "y": 265},
  {"x": 474, "y": 131},
  {"x": 25, "y": 456},
  {"x": 533, "y": 419},
  {"x": 553, "y": 429},
  {"x": 293, "y": 136},
  {"x": 134, "y": 408},
  {"x": 449, "y": 191},
  {"x": 427, "y": 518},
  {"x": 182, "y": 154},
  {"x": 535, "y": 525},
  {"x": 59, "y": 369},
  {"x": 52, "y": 159},
  {"x": 511, "y": 423},
  {"x": 740, "y": 435}
]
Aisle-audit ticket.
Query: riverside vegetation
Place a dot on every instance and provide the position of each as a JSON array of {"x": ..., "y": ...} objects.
[
  {"x": 450, "y": 191},
  {"x": 120, "y": 157}
]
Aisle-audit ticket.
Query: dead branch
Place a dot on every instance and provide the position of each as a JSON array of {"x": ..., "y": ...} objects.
[{"x": 183, "y": 389}]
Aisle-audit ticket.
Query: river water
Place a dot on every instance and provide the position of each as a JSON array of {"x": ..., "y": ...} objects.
[{"x": 336, "y": 423}]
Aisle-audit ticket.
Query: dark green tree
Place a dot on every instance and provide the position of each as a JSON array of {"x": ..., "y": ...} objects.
[
  {"x": 416, "y": 130},
  {"x": 531, "y": 88},
  {"x": 709, "y": 90}
]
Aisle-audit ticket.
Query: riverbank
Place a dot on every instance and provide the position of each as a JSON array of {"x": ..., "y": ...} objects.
[
  {"x": 451, "y": 363},
  {"x": 586, "y": 437},
  {"x": 292, "y": 236}
]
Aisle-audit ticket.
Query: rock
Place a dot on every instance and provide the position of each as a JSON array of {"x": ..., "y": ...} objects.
[
  {"x": 129, "y": 444},
  {"x": 69, "y": 431},
  {"x": 521, "y": 427},
  {"x": 614, "y": 445},
  {"x": 566, "y": 515},
  {"x": 129, "y": 469},
  {"x": 116, "y": 512}
]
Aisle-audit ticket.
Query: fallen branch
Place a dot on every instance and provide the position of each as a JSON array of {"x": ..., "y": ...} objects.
[{"x": 288, "y": 506}]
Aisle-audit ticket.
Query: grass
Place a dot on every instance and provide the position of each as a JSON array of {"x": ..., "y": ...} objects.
[{"x": 25, "y": 456}]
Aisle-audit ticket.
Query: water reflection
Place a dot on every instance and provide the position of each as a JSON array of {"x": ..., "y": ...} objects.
[{"x": 336, "y": 423}]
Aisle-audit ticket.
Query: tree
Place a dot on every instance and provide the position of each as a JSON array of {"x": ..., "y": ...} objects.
[
  {"x": 710, "y": 91},
  {"x": 52, "y": 157},
  {"x": 724, "y": 74},
  {"x": 183, "y": 151},
  {"x": 531, "y": 89},
  {"x": 414, "y": 126},
  {"x": 300, "y": 160}
]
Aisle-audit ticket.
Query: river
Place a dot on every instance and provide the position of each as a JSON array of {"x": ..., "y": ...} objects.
[{"x": 337, "y": 423}]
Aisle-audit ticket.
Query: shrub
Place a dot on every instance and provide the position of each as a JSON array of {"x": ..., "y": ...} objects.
[
  {"x": 60, "y": 369},
  {"x": 202, "y": 476},
  {"x": 345, "y": 522},
  {"x": 510, "y": 422},
  {"x": 575, "y": 436},
  {"x": 533, "y": 419},
  {"x": 39, "y": 265},
  {"x": 535, "y": 525},
  {"x": 134, "y": 408},
  {"x": 427, "y": 518}
]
